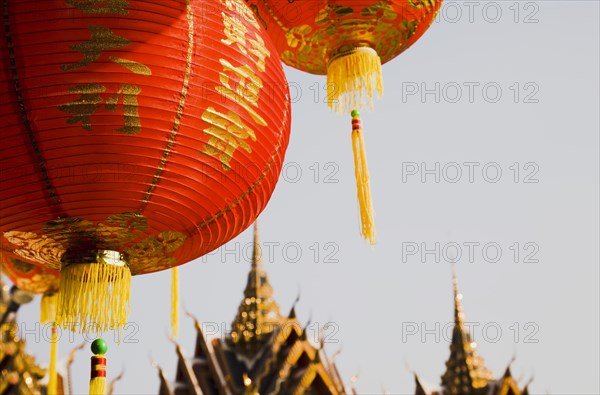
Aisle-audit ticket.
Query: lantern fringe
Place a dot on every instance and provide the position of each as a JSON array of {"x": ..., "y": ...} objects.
[
  {"x": 93, "y": 297},
  {"x": 52, "y": 379},
  {"x": 48, "y": 315},
  {"x": 363, "y": 185},
  {"x": 48, "y": 307},
  {"x": 98, "y": 375},
  {"x": 98, "y": 386},
  {"x": 352, "y": 76},
  {"x": 175, "y": 301}
]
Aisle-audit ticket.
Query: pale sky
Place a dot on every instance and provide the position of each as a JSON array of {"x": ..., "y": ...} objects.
[{"x": 518, "y": 93}]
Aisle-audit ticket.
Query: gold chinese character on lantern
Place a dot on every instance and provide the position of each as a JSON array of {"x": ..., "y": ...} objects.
[
  {"x": 89, "y": 102},
  {"x": 131, "y": 116},
  {"x": 227, "y": 133},
  {"x": 102, "y": 40},
  {"x": 260, "y": 51},
  {"x": 235, "y": 33},
  {"x": 243, "y": 86},
  {"x": 242, "y": 10},
  {"x": 240, "y": 84},
  {"x": 85, "y": 106}
]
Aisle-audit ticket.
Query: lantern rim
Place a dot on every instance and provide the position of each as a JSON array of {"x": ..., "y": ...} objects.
[
  {"x": 350, "y": 49},
  {"x": 95, "y": 257}
]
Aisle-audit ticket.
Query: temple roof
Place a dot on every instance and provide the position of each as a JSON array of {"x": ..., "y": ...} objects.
[
  {"x": 466, "y": 373},
  {"x": 265, "y": 353}
]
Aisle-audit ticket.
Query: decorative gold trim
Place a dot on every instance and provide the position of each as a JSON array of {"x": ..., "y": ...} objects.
[
  {"x": 281, "y": 337},
  {"x": 179, "y": 114},
  {"x": 71, "y": 239},
  {"x": 316, "y": 369},
  {"x": 98, "y": 257},
  {"x": 344, "y": 51},
  {"x": 24, "y": 117}
]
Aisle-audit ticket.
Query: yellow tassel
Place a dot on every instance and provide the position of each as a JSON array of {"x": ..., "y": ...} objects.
[
  {"x": 363, "y": 186},
  {"x": 175, "y": 301},
  {"x": 48, "y": 307},
  {"x": 94, "y": 297},
  {"x": 48, "y": 315},
  {"x": 52, "y": 379},
  {"x": 352, "y": 76},
  {"x": 98, "y": 386}
]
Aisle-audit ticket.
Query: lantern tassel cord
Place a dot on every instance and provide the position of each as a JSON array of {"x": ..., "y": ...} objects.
[
  {"x": 48, "y": 307},
  {"x": 352, "y": 76},
  {"x": 98, "y": 375},
  {"x": 98, "y": 368},
  {"x": 52, "y": 376},
  {"x": 175, "y": 301},
  {"x": 93, "y": 297},
  {"x": 363, "y": 185},
  {"x": 48, "y": 315}
]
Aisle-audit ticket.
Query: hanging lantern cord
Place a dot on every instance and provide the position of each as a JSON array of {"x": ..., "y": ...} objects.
[
  {"x": 175, "y": 301},
  {"x": 98, "y": 371},
  {"x": 363, "y": 185},
  {"x": 48, "y": 316}
]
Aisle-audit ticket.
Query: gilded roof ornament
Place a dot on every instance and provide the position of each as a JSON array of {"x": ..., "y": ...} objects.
[
  {"x": 465, "y": 369},
  {"x": 258, "y": 314}
]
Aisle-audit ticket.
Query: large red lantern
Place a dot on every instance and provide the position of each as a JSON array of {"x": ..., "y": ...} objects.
[
  {"x": 348, "y": 40},
  {"x": 137, "y": 135}
]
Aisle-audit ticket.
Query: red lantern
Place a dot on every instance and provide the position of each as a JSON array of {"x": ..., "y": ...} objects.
[
  {"x": 348, "y": 40},
  {"x": 137, "y": 135},
  {"x": 43, "y": 281},
  {"x": 29, "y": 277},
  {"x": 36, "y": 279}
]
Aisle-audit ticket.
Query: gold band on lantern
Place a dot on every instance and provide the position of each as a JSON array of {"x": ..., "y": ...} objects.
[
  {"x": 101, "y": 257},
  {"x": 346, "y": 50}
]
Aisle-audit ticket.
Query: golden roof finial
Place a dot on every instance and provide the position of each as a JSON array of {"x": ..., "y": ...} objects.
[
  {"x": 258, "y": 285},
  {"x": 458, "y": 311},
  {"x": 258, "y": 313},
  {"x": 465, "y": 370},
  {"x": 256, "y": 252}
]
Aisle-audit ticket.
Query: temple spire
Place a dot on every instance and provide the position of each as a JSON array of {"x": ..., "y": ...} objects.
[
  {"x": 256, "y": 251},
  {"x": 465, "y": 370},
  {"x": 258, "y": 313},
  {"x": 458, "y": 311},
  {"x": 258, "y": 285}
]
